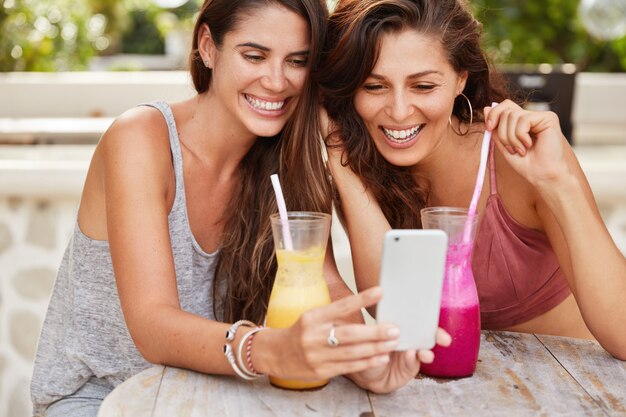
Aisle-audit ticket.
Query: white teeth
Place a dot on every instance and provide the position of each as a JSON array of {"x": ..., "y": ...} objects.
[
  {"x": 264, "y": 105},
  {"x": 400, "y": 136}
]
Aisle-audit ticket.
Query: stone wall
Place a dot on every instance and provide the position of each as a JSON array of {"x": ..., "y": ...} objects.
[{"x": 33, "y": 235}]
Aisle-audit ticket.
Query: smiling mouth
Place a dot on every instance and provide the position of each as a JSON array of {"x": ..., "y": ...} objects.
[
  {"x": 265, "y": 105},
  {"x": 402, "y": 136}
]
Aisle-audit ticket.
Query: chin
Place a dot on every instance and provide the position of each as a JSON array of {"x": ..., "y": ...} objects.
[
  {"x": 267, "y": 132},
  {"x": 402, "y": 162},
  {"x": 268, "y": 128},
  {"x": 399, "y": 158}
]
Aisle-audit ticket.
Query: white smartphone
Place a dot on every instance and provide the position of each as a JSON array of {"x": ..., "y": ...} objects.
[{"x": 411, "y": 276}]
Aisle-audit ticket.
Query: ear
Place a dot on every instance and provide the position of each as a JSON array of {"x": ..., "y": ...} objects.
[
  {"x": 206, "y": 46},
  {"x": 461, "y": 81}
]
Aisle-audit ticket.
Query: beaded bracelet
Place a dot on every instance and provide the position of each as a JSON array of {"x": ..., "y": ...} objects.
[
  {"x": 228, "y": 350},
  {"x": 250, "y": 371}
]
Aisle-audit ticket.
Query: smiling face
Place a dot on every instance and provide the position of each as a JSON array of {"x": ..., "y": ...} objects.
[
  {"x": 260, "y": 69},
  {"x": 407, "y": 99}
]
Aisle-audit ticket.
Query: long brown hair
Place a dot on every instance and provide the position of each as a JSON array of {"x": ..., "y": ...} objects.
[
  {"x": 350, "y": 53},
  {"x": 245, "y": 271}
]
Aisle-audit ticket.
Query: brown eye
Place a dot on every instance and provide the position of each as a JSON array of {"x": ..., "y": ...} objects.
[
  {"x": 298, "y": 62},
  {"x": 253, "y": 58}
]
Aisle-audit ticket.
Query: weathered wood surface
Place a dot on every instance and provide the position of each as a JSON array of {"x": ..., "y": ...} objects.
[
  {"x": 136, "y": 396},
  {"x": 182, "y": 393},
  {"x": 517, "y": 375},
  {"x": 598, "y": 373}
]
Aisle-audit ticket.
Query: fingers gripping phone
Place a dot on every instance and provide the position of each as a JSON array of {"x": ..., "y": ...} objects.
[{"x": 411, "y": 276}]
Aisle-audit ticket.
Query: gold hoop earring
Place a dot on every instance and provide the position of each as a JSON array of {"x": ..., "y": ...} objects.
[{"x": 471, "y": 113}]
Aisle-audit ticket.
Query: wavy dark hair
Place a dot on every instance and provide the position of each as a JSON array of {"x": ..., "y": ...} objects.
[
  {"x": 350, "y": 53},
  {"x": 245, "y": 271}
]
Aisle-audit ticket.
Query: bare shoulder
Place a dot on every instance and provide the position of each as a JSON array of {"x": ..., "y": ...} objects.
[
  {"x": 139, "y": 127},
  {"x": 132, "y": 156},
  {"x": 137, "y": 140},
  {"x": 134, "y": 160}
]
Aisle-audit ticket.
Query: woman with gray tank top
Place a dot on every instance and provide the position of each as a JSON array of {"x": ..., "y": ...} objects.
[{"x": 172, "y": 242}]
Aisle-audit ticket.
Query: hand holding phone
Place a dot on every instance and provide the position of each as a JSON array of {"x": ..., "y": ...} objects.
[{"x": 412, "y": 271}]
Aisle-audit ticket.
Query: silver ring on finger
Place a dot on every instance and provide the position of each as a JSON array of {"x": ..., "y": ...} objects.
[{"x": 332, "y": 339}]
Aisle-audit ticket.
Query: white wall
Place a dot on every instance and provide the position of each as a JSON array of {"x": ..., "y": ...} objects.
[{"x": 599, "y": 115}]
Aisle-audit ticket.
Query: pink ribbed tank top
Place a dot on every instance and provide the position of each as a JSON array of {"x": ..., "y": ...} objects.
[{"x": 517, "y": 273}]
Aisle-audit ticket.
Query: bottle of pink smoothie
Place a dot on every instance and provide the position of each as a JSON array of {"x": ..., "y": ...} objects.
[{"x": 460, "y": 311}]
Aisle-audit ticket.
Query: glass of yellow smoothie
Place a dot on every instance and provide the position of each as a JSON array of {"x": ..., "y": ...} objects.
[{"x": 299, "y": 284}]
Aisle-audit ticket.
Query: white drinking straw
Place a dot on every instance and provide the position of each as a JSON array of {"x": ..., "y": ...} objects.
[
  {"x": 282, "y": 211},
  {"x": 480, "y": 179}
]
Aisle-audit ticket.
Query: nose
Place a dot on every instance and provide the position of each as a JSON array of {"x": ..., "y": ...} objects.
[
  {"x": 400, "y": 107},
  {"x": 275, "y": 79}
]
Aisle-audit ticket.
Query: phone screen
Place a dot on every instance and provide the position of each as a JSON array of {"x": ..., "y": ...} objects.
[{"x": 411, "y": 276}]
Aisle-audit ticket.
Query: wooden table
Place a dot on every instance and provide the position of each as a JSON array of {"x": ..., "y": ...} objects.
[{"x": 517, "y": 375}]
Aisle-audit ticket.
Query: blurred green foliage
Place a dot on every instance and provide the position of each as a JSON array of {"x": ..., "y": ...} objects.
[
  {"x": 39, "y": 35},
  {"x": 59, "y": 35},
  {"x": 149, "y": 23},
  {"x": 144, "y": 36},
  {"x": 62, "y": 35},
  {"x": 550, "y": 31}
]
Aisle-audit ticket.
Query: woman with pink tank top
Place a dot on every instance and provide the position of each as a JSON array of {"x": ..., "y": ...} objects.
[{"x": 404, "y": 132}]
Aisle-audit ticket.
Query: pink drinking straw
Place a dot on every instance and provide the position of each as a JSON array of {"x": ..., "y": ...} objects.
[
  {"x": 480, "y": 179},
  {"x": 282, "y": 211}
]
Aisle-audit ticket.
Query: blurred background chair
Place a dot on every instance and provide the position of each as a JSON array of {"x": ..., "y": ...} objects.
[{"x": 545, "y": 87}]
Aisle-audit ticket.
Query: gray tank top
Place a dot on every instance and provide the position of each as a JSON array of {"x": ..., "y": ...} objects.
[{"x": 84, "y": 334}]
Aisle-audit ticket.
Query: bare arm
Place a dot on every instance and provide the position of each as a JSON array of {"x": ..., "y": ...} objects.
[
  {"x": 336, "y": 285},
  {"x": 594, "y": 267},
  {"x": 136, "y": 177},
  {"x": 364, "y": 221},
  {"x": 590, "y": 260}
]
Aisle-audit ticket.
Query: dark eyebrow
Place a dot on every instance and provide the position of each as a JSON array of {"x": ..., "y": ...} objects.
[
  {"x": 416, "y": 75},
  {"x": 254, "y": 45},
  {"x": 266, "y": 49}
]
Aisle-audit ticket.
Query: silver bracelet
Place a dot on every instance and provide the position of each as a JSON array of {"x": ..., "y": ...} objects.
[
  {"x": 228, "y": 350},
  {"x": 232, "y": 331},
  {"x": 249, "y": 370}
]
